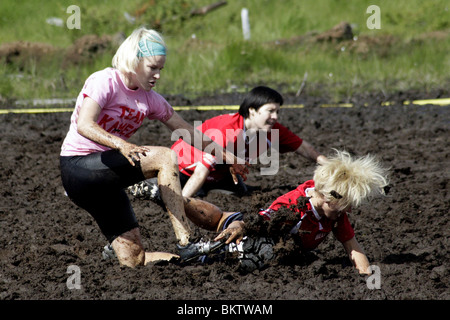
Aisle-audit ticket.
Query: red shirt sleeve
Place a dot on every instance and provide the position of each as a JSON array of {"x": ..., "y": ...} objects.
[{"x": 224, "y": 130}]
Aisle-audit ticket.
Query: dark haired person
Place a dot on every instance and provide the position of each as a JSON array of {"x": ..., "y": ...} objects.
[{"x": 242, "y": 133}]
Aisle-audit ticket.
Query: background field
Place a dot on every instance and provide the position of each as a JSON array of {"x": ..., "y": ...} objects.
[{"x": 208, "y": 53}]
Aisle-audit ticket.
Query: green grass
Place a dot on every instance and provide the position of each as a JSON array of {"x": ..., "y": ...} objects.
[{"x": 219, "y": 60}]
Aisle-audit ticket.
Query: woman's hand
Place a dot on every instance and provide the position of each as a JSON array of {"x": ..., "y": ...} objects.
[
  {"x": 132, "y": 152},
  {"x": 235, "y": 232}
]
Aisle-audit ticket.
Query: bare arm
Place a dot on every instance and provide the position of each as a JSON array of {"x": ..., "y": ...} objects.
[
  {"x": 307, "y": 150},
  {"x": 88, "y": 127},
  {"x": 176, "y": 122},
  {"x": 357, "y": 256},
  {"x": 196, "y": 180}
]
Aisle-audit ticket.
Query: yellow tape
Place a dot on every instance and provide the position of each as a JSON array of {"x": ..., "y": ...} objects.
[
  {"x": 207, "y": 108},
  {"x": 440, "y": 102},
  {"x": 338, "y": 105},
  {"x": 293, "y": 106}
]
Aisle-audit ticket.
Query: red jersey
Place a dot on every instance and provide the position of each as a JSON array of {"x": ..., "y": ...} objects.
[
  {"x": 228, "y": 131},
  {"x": 312, "y": 228}
]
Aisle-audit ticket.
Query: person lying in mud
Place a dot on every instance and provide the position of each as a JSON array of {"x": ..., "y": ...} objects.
[
  {"x": 316, "y": 208},
  {"x": 97, "y": 162},
  {"x": 248, "y": 133}
]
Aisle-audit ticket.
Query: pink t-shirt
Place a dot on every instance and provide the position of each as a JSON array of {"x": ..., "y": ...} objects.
[{"x": 123, "y": 111}]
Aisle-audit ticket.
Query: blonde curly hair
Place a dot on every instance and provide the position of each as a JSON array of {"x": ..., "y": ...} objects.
[{"x": 346, "y": 181}]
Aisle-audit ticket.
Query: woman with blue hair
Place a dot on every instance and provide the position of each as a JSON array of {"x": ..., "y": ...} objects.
[{"x": 97, "y": 163}]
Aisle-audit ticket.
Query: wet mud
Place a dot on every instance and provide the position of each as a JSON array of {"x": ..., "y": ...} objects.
[{"x": 405, "y": 234}]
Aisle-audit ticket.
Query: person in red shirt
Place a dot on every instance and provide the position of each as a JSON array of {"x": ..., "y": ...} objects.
[
  {"x": 244, "y": 133},
  {"x": 319, "y": 206},
  {"x": 249, "y": 134},
  {"x": 314, "y": 223}
]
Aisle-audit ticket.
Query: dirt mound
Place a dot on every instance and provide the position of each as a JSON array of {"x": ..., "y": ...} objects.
[
  {"x": 19, "y": 53},
  {"x": 343, "y": 37},
  {"x": 84, "y": 50}
]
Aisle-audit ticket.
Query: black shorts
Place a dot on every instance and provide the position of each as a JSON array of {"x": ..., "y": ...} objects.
[{"x": 96, "y": 183}]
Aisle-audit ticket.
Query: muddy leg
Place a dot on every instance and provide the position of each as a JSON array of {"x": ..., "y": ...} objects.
[{"x": 163, "y": 162}]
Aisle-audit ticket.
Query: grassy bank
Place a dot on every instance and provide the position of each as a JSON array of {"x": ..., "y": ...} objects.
[{"x": 207, "y": 53}]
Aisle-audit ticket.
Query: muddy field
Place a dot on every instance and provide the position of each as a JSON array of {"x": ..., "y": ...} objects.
[{"x": 406, "y": 234}]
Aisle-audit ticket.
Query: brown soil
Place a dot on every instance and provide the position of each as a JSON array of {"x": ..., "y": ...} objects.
[{"x": 406, "y": 234}]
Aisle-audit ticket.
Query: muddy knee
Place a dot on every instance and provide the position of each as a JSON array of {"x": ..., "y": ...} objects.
[
  {"x": 159, "y": 159},
  {"x": 170, "y": 158}
]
